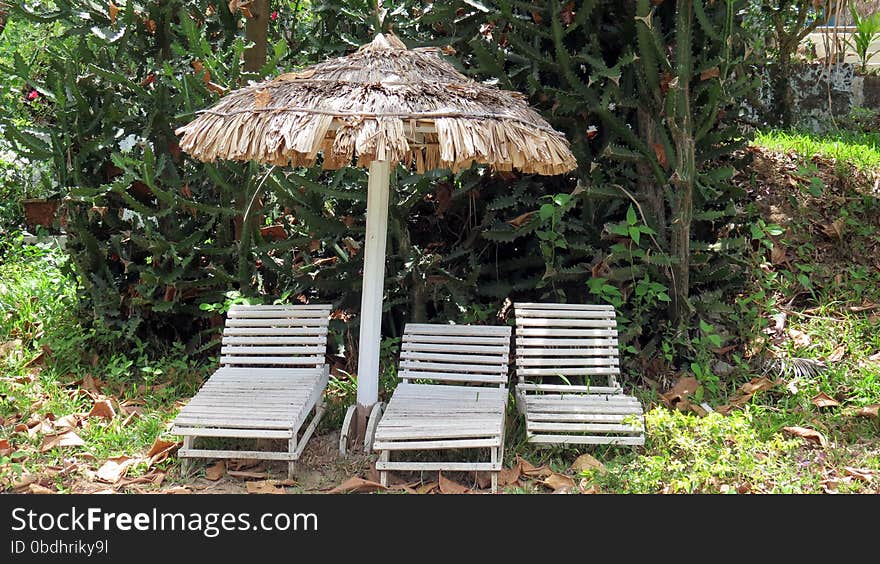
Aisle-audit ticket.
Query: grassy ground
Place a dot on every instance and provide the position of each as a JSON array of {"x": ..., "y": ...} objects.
[{"x": 801, "y": 417}]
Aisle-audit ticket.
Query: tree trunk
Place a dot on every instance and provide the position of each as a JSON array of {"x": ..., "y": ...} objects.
[
  {"x": 682, "y": 197},
  {"x": 650, "y": 191},
  {"x": 783, "y": 96},
  {"x": 256, "y": 32}
]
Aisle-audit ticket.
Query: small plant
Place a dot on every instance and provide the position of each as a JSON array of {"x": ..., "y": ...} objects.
[
  {"x": 866, "y": 33},
  {"x": 233, "y": 297}
]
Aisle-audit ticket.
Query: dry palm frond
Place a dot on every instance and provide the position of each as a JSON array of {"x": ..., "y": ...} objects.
[
  {"x": 384, "y": 102},
  {"x": 792, "y": 367}
]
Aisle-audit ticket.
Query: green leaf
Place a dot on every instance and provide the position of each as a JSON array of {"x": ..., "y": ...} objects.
[
  {"x": 774, "y": 229},
  {"x": 561, "y": 199},
  {"x": 635, "y": 234},
  {"x": 631, "y": 215},
  {"x": 546, "y": 211}
]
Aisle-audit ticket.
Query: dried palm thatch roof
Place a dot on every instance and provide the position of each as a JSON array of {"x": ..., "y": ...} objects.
[{"x": 383, "y": 102}]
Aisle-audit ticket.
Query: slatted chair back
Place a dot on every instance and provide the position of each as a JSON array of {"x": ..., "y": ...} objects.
[
  {"x": 455, "y": 354},
  {"x": 263, "y": 336},
  {"x": 574, "y": 341}
]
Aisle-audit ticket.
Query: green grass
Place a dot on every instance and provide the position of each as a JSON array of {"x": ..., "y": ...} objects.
[
  {"x": 859, "y": 149},
  {"x": 47, "y": 353}
]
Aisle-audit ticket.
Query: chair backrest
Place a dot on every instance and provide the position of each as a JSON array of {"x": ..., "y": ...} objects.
[
  {"x": 275, "y": 335},
  {"x": 568, "y": 340},
  {"x": 460, "y": 354}
]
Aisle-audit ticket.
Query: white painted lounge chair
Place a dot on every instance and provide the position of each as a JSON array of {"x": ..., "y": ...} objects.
[
  {"x": 561, "y": 352},
  {"x": 272, "y": 377},
  {"x": 452, "y": 395}
]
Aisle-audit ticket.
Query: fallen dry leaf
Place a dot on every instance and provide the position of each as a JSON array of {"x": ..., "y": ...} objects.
[
  {"x": 115, "y": 468},
  {"x": 834, "y": 229},
  {"x": 427, "y": 488},
  {"x": 531, "y": 470},
  {"x": 67, "y": 422},
  {"x": 247, "y": 475},
  {"x": 25, "y": 481},
  {"x": 104, "y": 409},
  {"x": 38, "y": 489},
  {"x": 406, "y": 487},
  {"x": 684, "y": 387},
  {"x": 160, "y": 450},
  {"x": 448, "y": 486},
  {"x": 829, "y": 485},
  {"x": 869, "y": 411},
  {"x": 91, "y": 384},
  {"x": 67, "y": 439},
  {"x": 778, "y": 254},
  {"x": 177, "y": 490},
  {"x": 356, "y": 485},
  {"x": 5, "y": 449},
  {"x": 824, "y": 400},
  {"x": 837, "y": 354},
  {"x": 863, "y": 474},
  {"x": 265, "y": 487},
  {"x": 800, "y": 338},
  {"x": 559, "y": 483},
  {"x": 810, "y": 435},
  {"x": 215, "y": 471},
  {"x": 586, "y": 462},
  {"x": 8, "y": 347},
  {"x": 242, "y": 463},
  {"x": 509, "y": 476},
  {"x": 757, "y": 385}
]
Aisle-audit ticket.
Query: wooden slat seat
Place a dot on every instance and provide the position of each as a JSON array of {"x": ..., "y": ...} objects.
[
  {"x": 270, "y": 382},
  {"x": 453, "y": 395},
  {"x": 567, "y": 363}
]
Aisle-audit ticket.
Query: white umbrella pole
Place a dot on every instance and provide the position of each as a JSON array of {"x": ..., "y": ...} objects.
[{"x": 371, "y": 296}]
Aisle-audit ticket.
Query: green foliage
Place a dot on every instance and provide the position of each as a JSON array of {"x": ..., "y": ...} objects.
[
  {"x": 688, "y": 454},
  {"x": 37, "y": 296},
  {"x": 160, "y": 240},
  {"x": 866, "y": 33},
  {"x": 149, "y": 230}
]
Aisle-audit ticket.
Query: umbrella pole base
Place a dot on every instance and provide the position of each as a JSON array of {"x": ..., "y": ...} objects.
[{"x": 359, "y": 428}]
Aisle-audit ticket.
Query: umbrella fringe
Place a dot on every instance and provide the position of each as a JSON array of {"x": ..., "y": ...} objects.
[{"x": 383, "y": 102}]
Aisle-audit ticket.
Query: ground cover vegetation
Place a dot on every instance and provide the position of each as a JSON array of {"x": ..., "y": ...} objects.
[{"x": 742, "y": 261}]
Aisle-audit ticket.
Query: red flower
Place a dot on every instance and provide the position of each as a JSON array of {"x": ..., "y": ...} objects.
[
  {"x": 273, "y": 16},
  {"x": 32, "y": 95}
]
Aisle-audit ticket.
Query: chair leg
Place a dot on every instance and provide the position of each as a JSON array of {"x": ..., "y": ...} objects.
[
  {"x": 494, "y": 474},
  {"x": 186, "y": 463},
  {"x": 291, "y": 466},
  {"x": 383, "y": 474}
]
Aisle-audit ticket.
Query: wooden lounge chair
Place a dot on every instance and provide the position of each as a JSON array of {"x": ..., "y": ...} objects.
[
  {"x": 463, "y": 406},
  {"x": 561, "y": 350},
  {"x": 272, "y": 376}
]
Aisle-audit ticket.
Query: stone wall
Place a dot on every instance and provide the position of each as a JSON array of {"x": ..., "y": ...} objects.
[{"x": 820, "y": 92}]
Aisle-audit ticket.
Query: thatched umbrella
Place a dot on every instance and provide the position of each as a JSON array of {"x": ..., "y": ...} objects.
[{"x": 380, "y": 105}]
